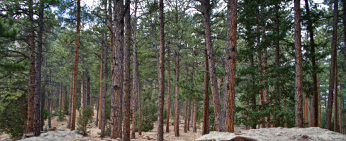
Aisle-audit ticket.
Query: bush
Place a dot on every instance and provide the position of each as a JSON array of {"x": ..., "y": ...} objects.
[
  {"x": 149, "y": 115},
  {"x": 85, "y": 118},
  {"x": 11, "y": 118},
  {"x": 60, "y": 114}
]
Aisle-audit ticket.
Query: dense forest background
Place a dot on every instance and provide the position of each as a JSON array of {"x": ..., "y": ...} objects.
[{"x": 140, "y": 61}]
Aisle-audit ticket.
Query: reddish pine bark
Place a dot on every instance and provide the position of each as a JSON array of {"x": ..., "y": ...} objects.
[
  {"x": 332, "y": 69},
  {"x": 298, "y": 64},
  {"x": 127, "y": 81}
]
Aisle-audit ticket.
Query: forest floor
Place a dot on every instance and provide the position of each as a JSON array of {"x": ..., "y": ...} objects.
[{"x": 189, "y": 136}]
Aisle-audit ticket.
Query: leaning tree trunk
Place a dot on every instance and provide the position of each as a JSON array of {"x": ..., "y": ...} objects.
[
  {"x": 213, "y": 79},
  {"x": 332, "y": 68},
  {"x": 298, "y": 63}
]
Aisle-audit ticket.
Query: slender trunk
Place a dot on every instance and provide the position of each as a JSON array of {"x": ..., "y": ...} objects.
[
  {"x": 195, "y": 110},
  {"x": 332, "y": 68},
  {"x": 32, "y": 73},
  {"x": 49, "y": 108},
  {"x": 117, "y": 71},
  {"x": 176, "y": 118},
  {"x": 305, "y": 101},
  {"x": 213, "y": 79},
  {"x": 140, "y": 108},
  {"x": 135, "y": 73},
  {"x": 82, "y": 93},
  {"x": 127, "y": 81},
  {"x": 70, "y": 101},
  {"x": 206, "y": 97},
  {"x": 43, "y": 100},
  {"x": 314, "y": 110},
  {"x": 186, "y": 102},
  {"x": 168, "y": 91},
  {"x": 161, "y": 71},
  {"x": 277, "y": 64},
  {"x": 75, "y": 70},
  {"x": 102, "y": 103},
  {"x": 188, "y": 116},
  {"x": 298, "y": 64},
  {"x": 344, "y": 24},
  {"x": 336, "y": 98},
  {"x": 340, "y": 117}
]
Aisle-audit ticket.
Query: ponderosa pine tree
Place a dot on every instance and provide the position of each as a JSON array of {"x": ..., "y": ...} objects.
[
  {"x": 298, "y": 65},
  {"x": 332, "y": 68},
  {"x": 73, "y": 120},
  {"x": 161, "y": 70}
]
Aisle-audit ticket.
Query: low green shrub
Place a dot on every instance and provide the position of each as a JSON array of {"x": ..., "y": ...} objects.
[{"x": 85, "y": 118}]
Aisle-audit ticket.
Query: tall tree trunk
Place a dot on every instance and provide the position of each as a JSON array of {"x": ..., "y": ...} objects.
[
  {"x": 43, "y": 100},
  {"x": 135, "y": 73},
  {"x": 189, "y": 115},
  {"x": 127, "y": 81},
  {"x": 344, "y": 24},
  {"x": 314, "y": 110},
  {"x": 37, "y": 122},
  {"x": 49, "y": 105},
  {"x": 213, "y": 79},
  {"x": 332, "y": 68},
  {"x": 277, "y": 65},
  {"x": 73, "y": 123},
  {"x": 231, "y": 60},
  {"x": 104, "y": 86},
  {"x": 186, "y": 102},
  {"x": 70, "y": 101},
  {"x": 206, "y": 96},
  {"x": 176, "y": 118},
  {"x": 140, "y": 108},
  {"x": 32, "y": 73},
  {"x": 305, "y": 101},
  {"x": 117, "y": 71},
  {"x": 340, "y": 117},
  {"x": 161, "y": 73},
  {"x": 298, "y": 64},
  {"x": 336, "y": 97},
  {"x": 168, "y": 90},
  {"x": 82, "y": 93}
]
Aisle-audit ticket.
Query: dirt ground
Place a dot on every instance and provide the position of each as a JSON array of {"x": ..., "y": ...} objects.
[{"x": 189, "y": 136}]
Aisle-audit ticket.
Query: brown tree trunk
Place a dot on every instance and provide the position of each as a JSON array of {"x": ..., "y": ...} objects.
[
  {"x": 340, "y": 117},
  {"x": 82, "y": 93},
  {"x": 305, "y": 101},
  {"x": 189, "y": 115},
  {"x": 70, "y": 101},
  {"x": 176, "y": 118},
  {"x": 298, "y": 64},
  {"x": 73, "y": 123},
  {"x": 168, "y": 106},
  {"x": 32, "y": 73},
  {"x": 135, "y": 73},
  {"x": 206, "y": 96},
  {"x": 49, "y": 105},
  {"x": 195, "y": 109},
  {"x": 336, "y": 97},
  {"x": 117, "y": 71},
  {"x": 161, "y": 73},
  {"x": 314, "y": 108},
  {"x": 230, "y": 68},
  {"x": 332, "y": 68},
  {"x": 127, "y": 81},
  {"x": 186, "y": 103},
  {"x": 213, "y": 79},
  {"x": 140, "y": 109}
]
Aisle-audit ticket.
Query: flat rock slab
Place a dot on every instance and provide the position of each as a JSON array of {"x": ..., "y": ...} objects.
[
  {"x": 276, "y": 134},
  {"x": 63, "y": 136}
]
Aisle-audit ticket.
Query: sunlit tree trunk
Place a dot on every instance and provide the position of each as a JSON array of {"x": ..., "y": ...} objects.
[{"x": 73, "y": 123}]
